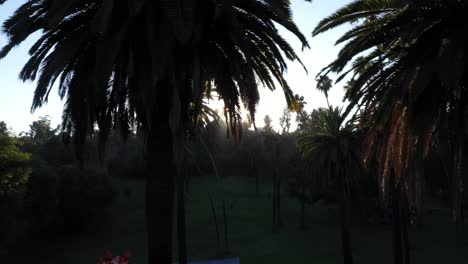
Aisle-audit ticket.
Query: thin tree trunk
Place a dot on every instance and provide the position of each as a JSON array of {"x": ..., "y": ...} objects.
[
  {"x": 213, "y": 210},
  {"x": 303, "y": 214},
  {"x": 253, "y": 167},
  {"x": 181, "y": 227},
  {"x": 160, "y": 175},
  {"x": 344, "y": 215},
  {"x": 213, "y": 163},
  {"x": 226, "y": 238},
  {"x": 462, "y": 220},
  {"x": 274, "y": 217},
  {"x": 256, "y": 184},
  {"x": 186, "y": 181},
  {"x": 278, "y": 202}
]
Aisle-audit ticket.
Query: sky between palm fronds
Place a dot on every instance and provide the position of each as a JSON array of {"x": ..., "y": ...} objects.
[{"x": 16, "y": 96}]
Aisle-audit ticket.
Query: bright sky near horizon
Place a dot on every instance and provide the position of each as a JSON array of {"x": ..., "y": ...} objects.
[{"x": 16, "y": 96}]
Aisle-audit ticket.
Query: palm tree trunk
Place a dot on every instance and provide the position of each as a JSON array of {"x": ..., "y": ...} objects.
[
  {"x": 460, "y": 172},
  {"x": 420, "y": 186},
  {"x": 457, "y": 190},
  {"x": 456, "y": 184},
  {"x": 160, "y": 175},
  {"x": 344, "y": 215},
  {"x": 397, "y": 232},
  {"x": 405, "y": 221}
]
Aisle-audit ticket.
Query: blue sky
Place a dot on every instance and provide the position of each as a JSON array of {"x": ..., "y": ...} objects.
[{"x": 16, "y": 96}]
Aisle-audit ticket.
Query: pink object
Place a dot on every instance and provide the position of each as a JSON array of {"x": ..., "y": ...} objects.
[{"x": 108, "y": 258}]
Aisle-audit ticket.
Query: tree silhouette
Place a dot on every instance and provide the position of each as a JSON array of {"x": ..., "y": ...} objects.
[
  {"x": 409, "y": 83},
  {"x": 285, "y": 121},
  {"x": 268, "y": 128},
  {"x": 148, "y": 64},
  {"x": 333, "y": 148},
  {"x": 324, "y": 84}
]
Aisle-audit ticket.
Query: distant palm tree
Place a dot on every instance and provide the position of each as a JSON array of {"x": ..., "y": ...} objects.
[
  {"x": 324, "y": 84},
  {"x": 334, "y": 148},
  {"x": 151, "y": 63}
]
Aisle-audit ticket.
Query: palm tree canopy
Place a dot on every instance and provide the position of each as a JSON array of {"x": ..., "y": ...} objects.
[
  {"x": 324, "y": 84},
  {"x": 114, "y": 60},
  {"x": 408, "y": 70},
  {"x": 333, "y": 143}
]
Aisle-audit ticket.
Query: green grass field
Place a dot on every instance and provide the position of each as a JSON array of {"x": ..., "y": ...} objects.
[{"x": 250, "y": 235}]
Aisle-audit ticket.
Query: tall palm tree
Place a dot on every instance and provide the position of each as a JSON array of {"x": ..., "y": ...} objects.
[
  {"x": 324, "y": 84},
  {"x": 151, "y": 62},
  {"x": 410, "y": 77},
  {"x": 333, "y": 147}
]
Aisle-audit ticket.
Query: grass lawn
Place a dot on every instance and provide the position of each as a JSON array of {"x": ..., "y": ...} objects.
[{"x": 250, "y": 235}]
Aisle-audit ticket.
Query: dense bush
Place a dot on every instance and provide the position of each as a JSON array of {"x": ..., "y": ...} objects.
[{"x": 67, "y": 199}]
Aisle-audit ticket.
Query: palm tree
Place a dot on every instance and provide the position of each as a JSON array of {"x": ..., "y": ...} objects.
[
  {"x": 333, "y": 148},
  {"x": 324, "y": 84},
  {"x": 410, "y": 79},
  {"x": 150, "y": 63}
]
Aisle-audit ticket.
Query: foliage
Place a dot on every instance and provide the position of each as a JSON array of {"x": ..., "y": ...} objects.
[
  {"x": 285, "y": 121},
  {"x": 334, "y": 150},
  {"x": 205, "y": 45},
  {"x": 327, "y": 145},
  {"x": 324, "y": 84},
  {"x": 268, "y": 128},
  {"x": 408, "y": 75},
  {"x": 55, "y": 152},
  {"x": 40, "y": 130},
  {"x": 14, "y": 166},
  {"x": 3, "y": 128},
  {"x": 67, "y": 199},
  {"x": 15, "y": 170},
  {"x": 305, "y": 122},
  {"x": 333, "y": 146},
  {"x": 113, "y": 75}
]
